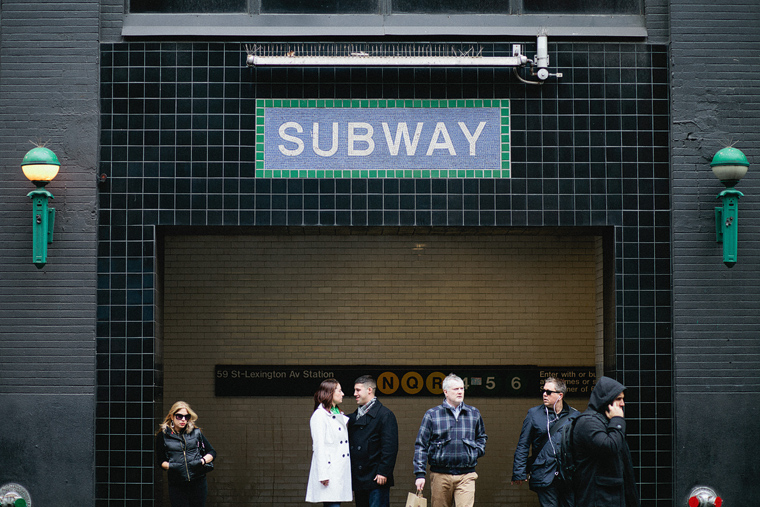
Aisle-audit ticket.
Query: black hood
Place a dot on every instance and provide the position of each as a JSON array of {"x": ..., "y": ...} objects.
[{"x": 605, "y": 391}]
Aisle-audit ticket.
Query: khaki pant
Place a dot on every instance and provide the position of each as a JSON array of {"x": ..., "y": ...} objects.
[{"x": 459, "y": 489}]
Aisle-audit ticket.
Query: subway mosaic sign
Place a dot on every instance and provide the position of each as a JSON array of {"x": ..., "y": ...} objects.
[
  {"x": 481, "y": 381},
  {"x": 334, "y": 138}
]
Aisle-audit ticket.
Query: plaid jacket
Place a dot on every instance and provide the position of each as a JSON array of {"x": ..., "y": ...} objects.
[{"x": 449, "y": 445}]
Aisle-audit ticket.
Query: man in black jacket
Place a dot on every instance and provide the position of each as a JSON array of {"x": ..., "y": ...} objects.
[
  {"x": 541, "y": 422},
  {"x": 605, "y": 469},
  {"x": 373, "y": 438}
]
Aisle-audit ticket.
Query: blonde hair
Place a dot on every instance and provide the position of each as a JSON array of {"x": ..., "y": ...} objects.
[{"x": 168, "y": 422}]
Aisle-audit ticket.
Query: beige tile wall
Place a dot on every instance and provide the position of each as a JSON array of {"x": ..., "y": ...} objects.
[{"x": 367, "y": 299}]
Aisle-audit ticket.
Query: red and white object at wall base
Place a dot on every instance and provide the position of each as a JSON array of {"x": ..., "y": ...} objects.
[{"x": 704, "y": 497}]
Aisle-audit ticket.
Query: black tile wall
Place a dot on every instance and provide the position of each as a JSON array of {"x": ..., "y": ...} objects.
[{"x": 589, "y": 149}]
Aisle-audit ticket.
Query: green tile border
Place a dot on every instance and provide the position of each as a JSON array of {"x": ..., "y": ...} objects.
[{"x": 263, "y": 104}]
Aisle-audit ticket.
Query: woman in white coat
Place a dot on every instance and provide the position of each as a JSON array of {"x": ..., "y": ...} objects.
[{"x": 330, "y": 474}]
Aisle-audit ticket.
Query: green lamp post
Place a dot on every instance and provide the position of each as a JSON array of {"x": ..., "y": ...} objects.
[
  {"x": 40, "y": 166},
  {"x": 729, "y": 165}
]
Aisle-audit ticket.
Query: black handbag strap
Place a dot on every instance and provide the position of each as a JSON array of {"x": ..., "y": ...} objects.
[
  {"x": 555, "y": 424},
  {"x": 201, "y": 445}
]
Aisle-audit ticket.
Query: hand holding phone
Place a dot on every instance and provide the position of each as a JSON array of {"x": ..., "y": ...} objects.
[{"x": 614, "y": 410}]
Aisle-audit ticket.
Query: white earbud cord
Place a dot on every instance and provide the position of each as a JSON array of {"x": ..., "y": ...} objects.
[{"x": 548, "y": 432}]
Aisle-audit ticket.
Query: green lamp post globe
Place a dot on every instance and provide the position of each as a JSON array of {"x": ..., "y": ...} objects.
[
  {"x": 729, "y": 165},
  {"x": 40, "y": 165}
]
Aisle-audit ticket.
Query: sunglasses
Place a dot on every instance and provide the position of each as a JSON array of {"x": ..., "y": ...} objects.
[
  {"x": 548, "y": 392},
  {"x": 186, "y": 417}
]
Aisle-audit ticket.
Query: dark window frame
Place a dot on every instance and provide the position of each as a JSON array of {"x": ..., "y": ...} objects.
[{"x": 384, "y": 23}]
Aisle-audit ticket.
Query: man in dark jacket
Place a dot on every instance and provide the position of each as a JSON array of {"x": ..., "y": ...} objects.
[
  {"x": 605, "y": 471},
  {"x": 541, "y": 422},
  {"x": 373, "y": 440}
]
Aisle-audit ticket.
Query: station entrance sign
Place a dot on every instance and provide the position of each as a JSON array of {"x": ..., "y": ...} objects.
[
  {"x": 382, "y": 138},
  {"x": 480, "y": 381}
]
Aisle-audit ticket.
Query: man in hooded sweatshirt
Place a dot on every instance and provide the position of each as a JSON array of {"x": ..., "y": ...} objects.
[{"x": 604, "y": 477}]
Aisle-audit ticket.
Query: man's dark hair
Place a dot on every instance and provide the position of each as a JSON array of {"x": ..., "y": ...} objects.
[
  {"x": 559, "y": 384},
  {"x": 368, "y": 381}
]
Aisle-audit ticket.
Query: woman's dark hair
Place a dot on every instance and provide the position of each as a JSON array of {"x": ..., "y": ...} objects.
[{"x": 324, "y": 395}]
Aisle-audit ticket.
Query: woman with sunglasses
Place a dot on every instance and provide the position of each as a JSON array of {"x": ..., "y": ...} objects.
[
  {"x": 183, "y": 451},
  {"x": 330, "y": 474}
]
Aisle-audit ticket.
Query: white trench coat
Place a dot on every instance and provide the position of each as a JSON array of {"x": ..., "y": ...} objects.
[{"x": 330, "y": 458}]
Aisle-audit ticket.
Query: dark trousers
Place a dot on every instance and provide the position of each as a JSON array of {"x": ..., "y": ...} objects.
[
  {"x": 555, "y": 494},
  {"x": 188, "y": 494},
  {"x": 379, "y": 497}
]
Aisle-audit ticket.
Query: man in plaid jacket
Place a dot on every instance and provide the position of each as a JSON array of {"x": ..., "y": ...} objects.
[{"x": 452, "y": 437}]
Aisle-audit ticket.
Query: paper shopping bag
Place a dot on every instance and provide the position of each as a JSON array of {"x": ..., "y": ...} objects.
[{"x": 416, "y": 500}]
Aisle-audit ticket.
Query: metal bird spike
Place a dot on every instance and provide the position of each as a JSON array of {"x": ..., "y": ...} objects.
[{"x": 354, "y": 49}]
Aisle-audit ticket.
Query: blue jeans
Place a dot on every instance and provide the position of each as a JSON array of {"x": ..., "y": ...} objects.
[
  {"x": 330, "y": 504},
  {"x": 380, "y": 497}
]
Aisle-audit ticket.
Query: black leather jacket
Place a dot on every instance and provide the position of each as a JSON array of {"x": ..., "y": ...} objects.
[
  {"x": 182, "y": 451},
  {"x": 542, "y": 465}
]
